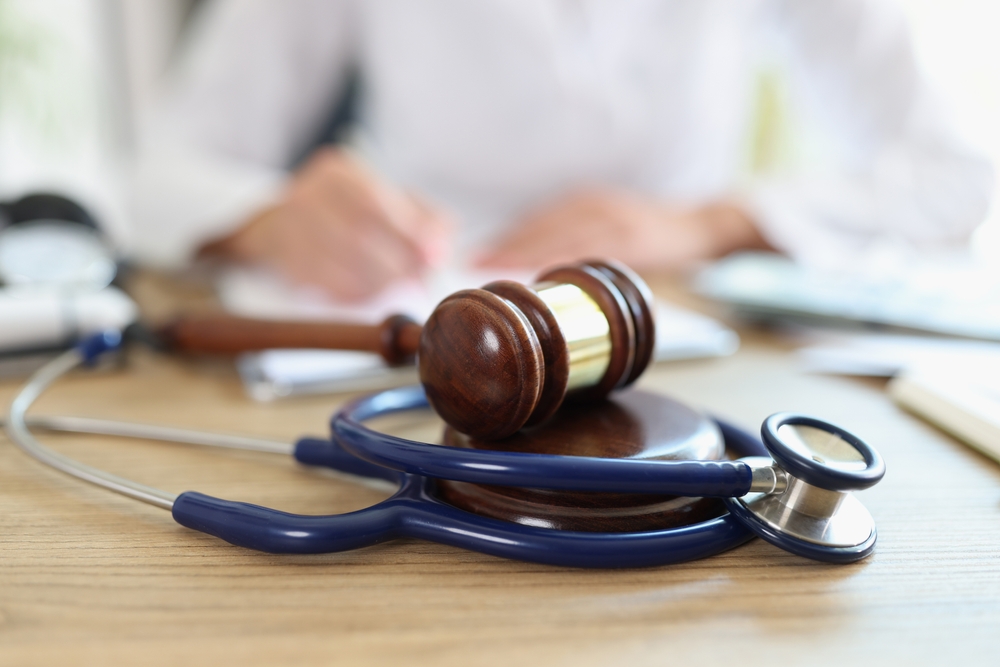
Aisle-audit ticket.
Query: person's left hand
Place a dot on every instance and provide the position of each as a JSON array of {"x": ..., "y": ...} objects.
[{"x": 641, "y": 232}]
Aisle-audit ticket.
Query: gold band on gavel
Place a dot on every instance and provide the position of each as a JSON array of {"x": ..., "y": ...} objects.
[{"x": 585, "y": 328}]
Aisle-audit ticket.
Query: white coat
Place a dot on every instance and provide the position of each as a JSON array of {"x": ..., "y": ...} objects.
[{"x": 492, "y": 107}]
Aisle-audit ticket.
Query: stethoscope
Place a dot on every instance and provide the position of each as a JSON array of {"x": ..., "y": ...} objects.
[{"x": 794, "y": 490}]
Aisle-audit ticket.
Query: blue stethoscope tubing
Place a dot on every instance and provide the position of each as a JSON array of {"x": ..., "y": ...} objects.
[
  {"x": 830, "y": 531},
  {"x": 721, "y": 479},
  {"x": 414, "y": 512}
]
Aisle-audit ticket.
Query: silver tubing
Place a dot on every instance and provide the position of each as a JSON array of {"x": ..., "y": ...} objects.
[
  {"x": 767, "y": 476},
  {"x": 161, "y": 433},
  {"x": 18, "y": 431}
]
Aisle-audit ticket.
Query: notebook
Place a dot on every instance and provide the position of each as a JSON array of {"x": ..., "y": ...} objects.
[{"x": 964, "y": 401}]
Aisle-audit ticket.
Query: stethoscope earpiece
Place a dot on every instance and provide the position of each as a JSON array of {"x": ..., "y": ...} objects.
[{"x": 801, "y": 500}]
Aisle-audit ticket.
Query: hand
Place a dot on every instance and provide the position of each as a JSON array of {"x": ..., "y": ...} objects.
[
  {"x": 339, "y": 227},
  {"x": 641, "y": 232}
]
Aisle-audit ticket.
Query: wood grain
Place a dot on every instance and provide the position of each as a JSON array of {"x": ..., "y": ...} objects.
[
  {"x": 494, "y": 360},
  {"x": 87, "y": 577},
  {"x": 640, "y": 302},
  {"x": 551, "y": 341},
  {"x": 396, "y": 338},
  {"x": 632, "y": 424},
  {"x": 481, "y": 364}
]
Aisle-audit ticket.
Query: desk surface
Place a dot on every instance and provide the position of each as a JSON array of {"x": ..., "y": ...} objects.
[{"x": 90, "y": 577}]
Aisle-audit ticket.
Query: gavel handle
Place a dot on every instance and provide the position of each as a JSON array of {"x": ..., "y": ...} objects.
[{"x": 396, "y": 338}]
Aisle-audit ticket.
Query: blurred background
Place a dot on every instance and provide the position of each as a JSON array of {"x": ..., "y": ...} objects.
[
  {"x": 76, "y": 75},
  {"x": 79, "y": 80}
]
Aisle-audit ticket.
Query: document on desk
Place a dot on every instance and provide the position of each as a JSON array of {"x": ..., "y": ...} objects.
[
  {"x": 887, "y": 355},
  {"x": 681, "y": 333},
  {"x": 950, "y": 382},
  {"x": 962, "y": 400},
  {"x": 947, "y": 295}
]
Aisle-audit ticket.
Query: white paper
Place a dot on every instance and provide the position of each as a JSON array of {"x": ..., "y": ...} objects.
[
  {"x": 886, "y": 355},
  {"x": 263, "y": 294},
  {"x": 963, "y": 400},
  {"x": 943, "y": 295}
]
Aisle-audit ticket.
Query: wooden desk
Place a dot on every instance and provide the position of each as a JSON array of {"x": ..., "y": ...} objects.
[{"x": 87, "y": 577}]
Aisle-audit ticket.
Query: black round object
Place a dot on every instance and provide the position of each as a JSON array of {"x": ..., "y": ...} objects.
[
  {"x": 816, "y": 471},
  {"x": 46, "y": 206}
]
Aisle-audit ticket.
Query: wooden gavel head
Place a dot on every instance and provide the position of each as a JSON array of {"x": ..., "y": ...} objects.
[{"x": 496, "y": 359}]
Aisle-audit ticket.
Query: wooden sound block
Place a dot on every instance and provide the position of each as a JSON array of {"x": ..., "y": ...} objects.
[{"x": 634, "y": 424}]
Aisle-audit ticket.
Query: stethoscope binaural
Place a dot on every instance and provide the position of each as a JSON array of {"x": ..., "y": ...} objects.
[{"x": 794, "y": 491}]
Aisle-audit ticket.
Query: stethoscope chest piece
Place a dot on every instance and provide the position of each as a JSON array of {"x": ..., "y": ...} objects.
[{"x": 802, "y": 500}]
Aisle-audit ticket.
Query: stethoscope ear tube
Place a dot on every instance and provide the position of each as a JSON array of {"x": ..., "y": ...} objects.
[
  {"x": 273, "y": 531},
  {"x": 710, "y": 479},
  {"x": 412, "y": 512},
  {"x": 321, "y": 453}
]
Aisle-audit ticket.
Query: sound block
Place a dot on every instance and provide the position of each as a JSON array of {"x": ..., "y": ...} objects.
[{"x": 633, "y": 424}]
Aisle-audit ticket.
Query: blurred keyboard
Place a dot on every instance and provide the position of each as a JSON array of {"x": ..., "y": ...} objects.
[{"x": 953, "y": 298}]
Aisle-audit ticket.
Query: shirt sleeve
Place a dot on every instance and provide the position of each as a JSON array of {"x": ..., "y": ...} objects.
[
  {"x": 902, "y": 176},
  {"x": 251, "y": 88}
]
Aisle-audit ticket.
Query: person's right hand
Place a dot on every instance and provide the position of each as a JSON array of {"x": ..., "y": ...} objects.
[{"x": 341, "y": 228}]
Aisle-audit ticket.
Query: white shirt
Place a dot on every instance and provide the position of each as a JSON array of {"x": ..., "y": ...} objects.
[{"x": 492, "y": 107}]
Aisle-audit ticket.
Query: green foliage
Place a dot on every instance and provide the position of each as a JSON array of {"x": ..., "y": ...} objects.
[{"x": 25, "y": 59}]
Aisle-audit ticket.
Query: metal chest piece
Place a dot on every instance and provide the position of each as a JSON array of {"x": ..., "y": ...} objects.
[{"x": 802, "y": 501}]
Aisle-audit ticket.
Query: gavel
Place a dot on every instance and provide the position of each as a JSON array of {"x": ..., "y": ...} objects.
[{"x": 491, "y": 360}]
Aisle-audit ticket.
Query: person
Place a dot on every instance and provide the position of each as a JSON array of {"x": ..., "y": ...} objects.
[{"x": 526, "y": 133}]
